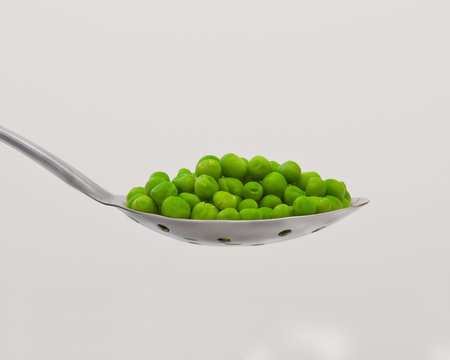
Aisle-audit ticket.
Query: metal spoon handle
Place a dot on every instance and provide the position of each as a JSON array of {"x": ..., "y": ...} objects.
[{"x": 55, "y": 165}]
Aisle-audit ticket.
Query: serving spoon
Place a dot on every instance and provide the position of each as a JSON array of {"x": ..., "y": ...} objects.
[{"x": 201, "y": 232}]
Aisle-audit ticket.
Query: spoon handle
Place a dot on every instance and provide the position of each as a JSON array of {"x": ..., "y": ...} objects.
[{"x": 55, "y": 165}]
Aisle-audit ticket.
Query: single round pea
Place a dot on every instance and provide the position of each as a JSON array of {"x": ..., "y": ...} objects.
[
  {"x": 270, "y": 201},
  {"x": 258, "y": 167},
  {"x": 274, "y": 183},
  {"x": 184, "y": 182},
  {"x": 347, "y": 196},
  {"x": 303, "y": 205},
  {"x": 209, "y": 167},
  {"x": 163, "y": 190},
  {"x": 336, "y": 204},
  {"x": 291, "y": 193},
  {"x": 322, "y": 204},
  {"x": 275, "y": 165},
  {"x": 266, "y": 212},
  {"x": 315, "y": 187},
  {"x": 146, "y": 204},
  {"x": 184, "y": 171},
  {"x": 253, "y": 190},
  {"x": 131, "y": 200},
  {"x": 250, "y": 214},
  {"x": 281, "y": 211},
  {"x": 204, "y": 211},
  {"x": 176, "y": 207},
  {"x": 291, "y": 171},
  {"x": 160, "y": 174},
  {"x": 209, "y": 157},
  {"x": 223, "y": 200},
  {"x": 346, "y": 203},
  {"x": 228, "y": 214},
  {"x": 191, "y": 199},
  {"x": 247, "y": 204},
  {"x": 233, "y": 166},
  {"x": 134, "y": 191},
  {"x": 205, "y": 186},
  {"x": 304, "y": 177},
  {"x": 232, "y": 185},
  {"x": 151, "y": 183},
  {"x": 335, "y": 188}
]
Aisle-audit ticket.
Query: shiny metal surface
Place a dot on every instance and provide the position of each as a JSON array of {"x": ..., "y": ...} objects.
[{"x": 201, "y": 232}]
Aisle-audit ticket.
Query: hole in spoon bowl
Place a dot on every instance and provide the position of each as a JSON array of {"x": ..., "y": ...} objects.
[
  {"x": 284, "y": 232},
  {"x": 163, "y": 228}
]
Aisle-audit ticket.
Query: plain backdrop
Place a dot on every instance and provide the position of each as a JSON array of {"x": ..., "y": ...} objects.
[{"x": 355, "y": 90}]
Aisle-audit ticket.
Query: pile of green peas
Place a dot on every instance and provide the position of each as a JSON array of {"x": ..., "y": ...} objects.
[{"x": 234, "y": 188}]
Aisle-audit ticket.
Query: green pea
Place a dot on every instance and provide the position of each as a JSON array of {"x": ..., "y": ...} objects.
[
  {"x": 336, "y": 204},
  {"x": 228, "y": 214},
  {"x": 322, "y": 204},
  {"x": 250, "y": 214},
  {"x": 304, "y": 177},
  {"x": 205, "y": 186},
  {"x": 346, "y": 203},
  {"x": 335, "y": 188},
  {"x": 131, "y": 200},
  {"x": 223, "y": 200},
  {"x": 134, "y": 191},
  {"x": 184, "y": 183},
  {"x": 163, "y": 190},
  {"x": 303, "y": 205},
  {"x": 154, "y": 181},
  {"x": 253, "y": 190},
  {"x": 247, "y": 204},
  {"x": 275, "y": 165},
  {"x": 291, "y": 171},
  {"x": 160, "y": 174},
  {"x": 184, "y": 171},
  {"x": 258, "y": 167},
  {"x": 270, "y": 201},
  {"x": 232, "y": 185},
  {"x": 204, "y": 211},
  {"x": 315, "y": 187},
  {"x": 233, "y": 166},
  {"x": 191, "y": 199},
  {"x": 244, "y": 160},
  {"x": 209, "y": 167},
  {"x": 274, "y": 183},
  {"x": 209, "y": 157},
  {"x": 176, "y": 207},
  {"x": 266, "y": 212},
  {"x": 281, "y": 211},
  {"x": 145, "y": 204},
  {"x": 347, "y": 196},
  {"x": 291, "y": 193}
]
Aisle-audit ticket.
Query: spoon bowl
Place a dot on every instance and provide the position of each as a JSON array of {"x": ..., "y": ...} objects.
[{"x": 200, "y": 232}]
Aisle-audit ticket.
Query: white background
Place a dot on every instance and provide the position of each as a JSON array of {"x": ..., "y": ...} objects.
[{"x": 355, "y": 90}]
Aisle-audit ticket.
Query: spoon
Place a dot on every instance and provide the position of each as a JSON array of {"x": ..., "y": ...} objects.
[{"x": 201, "y": 232}]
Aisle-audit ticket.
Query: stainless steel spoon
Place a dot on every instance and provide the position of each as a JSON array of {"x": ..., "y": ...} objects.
[{"x": 202, "y": 232}]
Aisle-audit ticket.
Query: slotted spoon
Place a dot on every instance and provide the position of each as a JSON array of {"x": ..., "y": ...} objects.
[{"x": 202, "y": 232}]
